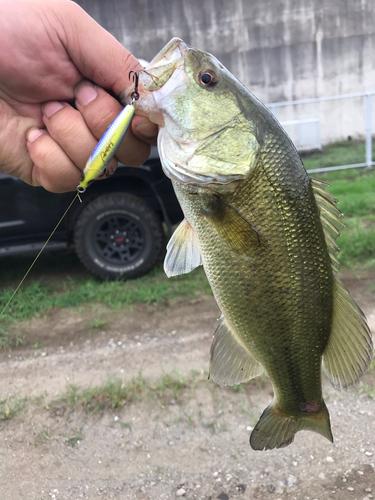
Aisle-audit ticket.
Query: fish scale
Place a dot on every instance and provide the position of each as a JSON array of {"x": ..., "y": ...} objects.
[
  {"x": 265, "y": 233},
  {"x": 286, "y": 323}
]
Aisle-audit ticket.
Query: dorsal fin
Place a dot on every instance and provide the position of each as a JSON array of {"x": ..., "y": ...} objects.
[{"x": 329, "y": 216}]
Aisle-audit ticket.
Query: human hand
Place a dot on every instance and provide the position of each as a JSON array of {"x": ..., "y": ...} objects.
[{"x": 48, "y": 51}]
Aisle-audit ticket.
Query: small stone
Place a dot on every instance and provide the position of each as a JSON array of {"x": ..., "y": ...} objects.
[
  {"x": 368, "y": 453},
  {"x": 223, "y": 496},
  {"x": 228, "y": 477},
  {"x": 215, "y": 474},
  {"x": 116, "y": 419},
  {"x": 271, "y": 488},
  {"x": 181, "y": 492},
  {"x": 249, "y": 429},
  {"x": 329, "y": 460},
  {"x": 295, "y": 463},
  {"x": 241, "y": 488},
  {"x": 291, "y": 480},
  {"x": 368, "y": 490},
  {"x": 321, "y": 475},
  {"x": 360, "y": 472},
  {"x": 350, "y": 488}
]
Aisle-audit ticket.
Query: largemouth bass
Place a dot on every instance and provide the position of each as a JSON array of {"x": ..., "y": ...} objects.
[{"x": 264, "y": 232}]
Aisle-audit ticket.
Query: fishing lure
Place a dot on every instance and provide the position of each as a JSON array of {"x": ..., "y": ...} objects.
[{"x": 106, "y": 148}]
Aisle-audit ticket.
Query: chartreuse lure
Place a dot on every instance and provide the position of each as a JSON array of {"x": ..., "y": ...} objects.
[
  {"x": 105, "y": 150},
  {"x": 96, "y": 164}
]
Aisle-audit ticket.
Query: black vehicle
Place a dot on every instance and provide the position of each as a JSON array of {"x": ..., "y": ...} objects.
[{"x": 117, "y": 230}]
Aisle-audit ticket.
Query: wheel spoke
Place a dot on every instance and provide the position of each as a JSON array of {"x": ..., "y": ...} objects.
[{"x": 119, "y": 239}]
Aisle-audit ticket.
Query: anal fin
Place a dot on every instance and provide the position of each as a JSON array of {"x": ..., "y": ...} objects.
[
  {"x": 349, "y": 350},
  {"x": 231, "y": 362},
  {"x": 183, "y": 252}
]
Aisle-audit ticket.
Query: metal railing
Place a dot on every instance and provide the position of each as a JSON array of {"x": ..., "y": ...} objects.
[{"x": 304, "y": 117}]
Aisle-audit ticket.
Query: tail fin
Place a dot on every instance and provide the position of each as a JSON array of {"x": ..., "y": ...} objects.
[{"x": 275, "y": 429}]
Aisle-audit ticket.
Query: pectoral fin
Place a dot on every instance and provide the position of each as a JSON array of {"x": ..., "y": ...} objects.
[
  {"x": 349, "y": 350},
  {"x": 234, "y": 227},
  {"x": 231, "y": 362},
  {"x": 183, "y": 252}
]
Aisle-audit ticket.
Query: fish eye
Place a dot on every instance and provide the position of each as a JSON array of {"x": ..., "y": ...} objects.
[{"x": 207, "y": 78}]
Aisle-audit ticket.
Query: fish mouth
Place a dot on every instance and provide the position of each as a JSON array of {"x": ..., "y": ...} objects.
[{"x": 158, "y": 71}]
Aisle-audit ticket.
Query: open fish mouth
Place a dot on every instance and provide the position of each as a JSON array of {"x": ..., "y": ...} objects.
[{"x": 159, "y": 70}]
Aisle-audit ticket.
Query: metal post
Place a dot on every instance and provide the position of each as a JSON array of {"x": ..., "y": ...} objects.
[{"x": 368, "y": 132}]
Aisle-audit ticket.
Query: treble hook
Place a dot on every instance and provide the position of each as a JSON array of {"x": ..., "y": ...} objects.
[{"x": 135, "y": 94}]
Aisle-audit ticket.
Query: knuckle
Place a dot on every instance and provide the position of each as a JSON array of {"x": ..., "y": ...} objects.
[
  {"x": 99, "y": 122},
  {"x": 65, "y": 125}
]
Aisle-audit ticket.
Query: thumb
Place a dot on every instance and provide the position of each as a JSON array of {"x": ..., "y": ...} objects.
[{"x": 95, "y": 52}]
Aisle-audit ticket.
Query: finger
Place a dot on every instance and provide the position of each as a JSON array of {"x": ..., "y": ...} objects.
[
  {"x": 99, "y": 109},
  {"x": 68, "y": 128},
  {"x": 52, "y": 169},
  {"x": 145, "y": 130},
  {"x": 94, "y": 51}
]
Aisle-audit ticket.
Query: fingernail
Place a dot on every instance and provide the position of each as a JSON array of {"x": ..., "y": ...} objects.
[
  {"x": 85, "y": 92},
  {"x": 33, "y": 134},
  {"x": 147, "y": 128},
  {"x": 50, "y": 108}
]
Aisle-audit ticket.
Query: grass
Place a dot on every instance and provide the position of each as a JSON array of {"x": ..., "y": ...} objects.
[
  {"x": 115, "y": 392},
  {"x": 10, "y": 407},
  {"x": 38, "y": 298},
  {"x": 357, "y": 202},
  {"x": 349, "y": 152}
]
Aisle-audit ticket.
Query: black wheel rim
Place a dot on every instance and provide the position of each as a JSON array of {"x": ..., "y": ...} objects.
[{"x": 119, "y": 239}]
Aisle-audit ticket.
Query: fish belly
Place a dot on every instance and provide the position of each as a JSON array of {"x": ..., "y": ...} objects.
[{"x": 277, "y": 296}]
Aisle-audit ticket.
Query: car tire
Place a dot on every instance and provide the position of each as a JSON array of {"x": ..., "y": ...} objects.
[{"x": 118, "y": 236}]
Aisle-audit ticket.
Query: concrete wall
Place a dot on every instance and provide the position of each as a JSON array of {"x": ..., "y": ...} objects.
[{"x": 280, "y": 49}]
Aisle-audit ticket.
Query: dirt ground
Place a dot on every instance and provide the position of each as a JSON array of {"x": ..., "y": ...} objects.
[{"x": 192, "y": 446}]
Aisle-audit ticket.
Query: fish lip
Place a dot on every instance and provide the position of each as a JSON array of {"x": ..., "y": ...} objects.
[
  {"x": 168, "y": 59},
  {"x": 172, "y": 52}
]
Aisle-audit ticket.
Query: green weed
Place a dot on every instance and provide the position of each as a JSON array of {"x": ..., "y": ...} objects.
[
  {"x": 366, "y": 390},
  {"x": 73, "y": 440},
  {"x": 115, "y": 393},
  {"x": 112, "y": 395},
  {"x": 98, "y": 324},
  {"x": 38, "y": 299},
  {"x": 10, "y": 407},
  {"x": 43, "y": 436},
  {"x": 172, "y": 382}
]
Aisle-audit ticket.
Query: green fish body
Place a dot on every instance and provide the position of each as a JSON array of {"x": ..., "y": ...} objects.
[{"x": 264, "y": 232}]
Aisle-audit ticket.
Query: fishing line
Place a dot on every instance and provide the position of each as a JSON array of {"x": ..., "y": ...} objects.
[{"x": 40, "y": 251}]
